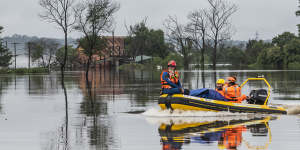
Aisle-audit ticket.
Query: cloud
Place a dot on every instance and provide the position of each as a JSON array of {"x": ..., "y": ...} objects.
[{"x": 267, "y": 17}]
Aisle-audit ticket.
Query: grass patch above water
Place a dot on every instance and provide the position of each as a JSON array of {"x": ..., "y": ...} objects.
[
  {"x": 131, "y": 66},
  {"x": 23, "y": 70}
]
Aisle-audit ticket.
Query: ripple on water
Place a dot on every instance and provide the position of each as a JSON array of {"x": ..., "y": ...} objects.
[
  {"x": 157, "y": 116},
  {"x": 154, "y": 112}
]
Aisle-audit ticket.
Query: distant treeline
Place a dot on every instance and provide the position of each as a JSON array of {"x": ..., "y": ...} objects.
[
  {"x": 281, "y": 52},
  {"x": 205, "y": 39}
]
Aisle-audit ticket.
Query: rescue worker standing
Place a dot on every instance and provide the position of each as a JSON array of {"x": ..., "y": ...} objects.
[
  {"x": 232, "y": 91},
  {"x": 170, "y": 82}
]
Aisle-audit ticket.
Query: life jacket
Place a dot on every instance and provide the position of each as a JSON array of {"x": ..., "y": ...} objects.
[
  {"x": 172, "y": 77},
  {"x": 220, "y": 91},
  {"x": 233, "y": 93}
]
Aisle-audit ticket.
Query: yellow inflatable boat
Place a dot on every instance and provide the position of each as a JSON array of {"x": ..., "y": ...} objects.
[{"x": 186, "y": 102}]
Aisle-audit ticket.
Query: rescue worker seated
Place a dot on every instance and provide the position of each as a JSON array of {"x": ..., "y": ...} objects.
[
  {"x": 219, "y": 86},
  {"x": 232, "y": 91},
  {"x": 216, "y": 94},
  {"x": 170, "y": 82}
]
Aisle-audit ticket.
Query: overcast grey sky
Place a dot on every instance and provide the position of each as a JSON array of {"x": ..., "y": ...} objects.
[{"x": 267, "y": 17}]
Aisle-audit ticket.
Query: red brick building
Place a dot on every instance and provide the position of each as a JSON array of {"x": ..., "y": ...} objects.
[{"x": 115, "y": 49}]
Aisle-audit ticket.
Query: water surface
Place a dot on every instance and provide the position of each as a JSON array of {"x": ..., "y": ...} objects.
[{"x": 107, "y": 113}]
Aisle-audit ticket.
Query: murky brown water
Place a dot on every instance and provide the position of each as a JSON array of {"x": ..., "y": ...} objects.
[{"x": 34, "y": 113}]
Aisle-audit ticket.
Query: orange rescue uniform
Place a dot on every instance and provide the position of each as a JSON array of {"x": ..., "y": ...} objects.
[
  {"x": 173, "y": 77},
  {"x": 233, "y": 93},
  {"x": 232, "y": 138},
  {"x": 221, "y": 92}
]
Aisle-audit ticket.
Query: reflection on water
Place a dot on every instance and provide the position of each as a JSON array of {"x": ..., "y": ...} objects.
[
  {"x": 227, "y": 134},
  {"x": 42, "y": 112}
]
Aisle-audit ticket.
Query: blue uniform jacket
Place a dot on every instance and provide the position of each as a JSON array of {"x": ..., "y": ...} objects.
[{"x": 166, "y": 77}]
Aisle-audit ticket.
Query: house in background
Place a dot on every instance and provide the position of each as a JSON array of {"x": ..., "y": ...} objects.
[{"x": 111, "y": 55}]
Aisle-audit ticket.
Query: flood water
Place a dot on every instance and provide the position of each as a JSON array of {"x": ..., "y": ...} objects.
[{"x": 118, "y": 110}]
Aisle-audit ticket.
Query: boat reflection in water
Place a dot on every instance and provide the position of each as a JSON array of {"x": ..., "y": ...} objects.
[{"x": 227, "y": 134}]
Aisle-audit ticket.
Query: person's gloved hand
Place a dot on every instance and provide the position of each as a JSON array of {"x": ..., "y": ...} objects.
[{"x": 182, "y": 90}]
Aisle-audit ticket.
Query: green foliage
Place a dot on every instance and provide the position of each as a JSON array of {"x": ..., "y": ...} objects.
[
  {"x": 173, "y": 56},
  {"x": 292, "y": 51},
  {"x": 156, "y": 44},
  {"x": 131, "y": 66},
  {"x": 37, "y": 51},
  {"x": 157, "y": 61},
  {"x": 5, "y": 54},
  {"x": 43, "y": 51},
  {"x": 24, "y": 70},
  {"x": 298, "y": 14},
  {"x": 286, "y": 50},
  {"x": 275, "y": 56},
  {"x": 293, "y": 47},
  {"x": 283, "y": 39},
  {"x": 254, "y": 48},
  {"x": 72, "y": 55},
  {"x": 145, "y": 41},
  {"x": 236, "y": 56},
  {"x": 89, "y": 48},
  {"x": 272, "y": 56}
]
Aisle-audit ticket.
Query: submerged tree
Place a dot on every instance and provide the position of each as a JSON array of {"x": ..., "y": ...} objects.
[
  {"x": 61, "y": 13},
  {"x": 178, "y": 36},
  {"x": 298, "y": 14},
  {"x": 43, "y": 52},
  {"x": 145, "y": 41},
  {"x": 254, "y": 48},
  {"x": 137, "y": 36},
  {"x": 5, "y": 54},
  {"x": 283, "y": 39},
  {"x": 292, "y": 51},
  {"x": 72, "y": 56},
  {"x": 94, "y": 18},
  {"x": 271, "y": 56},
  {"x": 219, "y": 14},
  {"x": 197, "y": 29}
]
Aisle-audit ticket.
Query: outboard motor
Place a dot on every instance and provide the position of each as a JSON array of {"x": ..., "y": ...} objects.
[
  {"x": 258, "y": 97},
  {"x": 258, "y": 129}
]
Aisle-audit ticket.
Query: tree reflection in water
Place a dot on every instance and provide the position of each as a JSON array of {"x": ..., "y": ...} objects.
[
  {"x": 105, "y": 91},
  {"x": 94, "y": 106},
  {"x": 5, "y": 81},
  {"x": 65, "y": 130}
]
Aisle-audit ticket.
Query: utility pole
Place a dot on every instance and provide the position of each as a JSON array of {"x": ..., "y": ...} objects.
[
  {"x": 113, "y": 36},
  {"x": 29, "y": 47},
  {"x": 113, "y": 48},
  {"x": 15, "y": 47}
]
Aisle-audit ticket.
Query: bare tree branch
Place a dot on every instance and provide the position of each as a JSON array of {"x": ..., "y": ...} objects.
[
  {"x": 220, "y": 28},
  {"x": 59, "y": 12},
  {"x": 178, "y": 36},
  {"x": 197, "y": 29},
  {"x": 94, "y": 18}
]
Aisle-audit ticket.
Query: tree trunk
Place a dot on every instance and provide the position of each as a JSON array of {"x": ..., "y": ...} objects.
[
  {"x": 215, "y": 54},
  {"x": 88, "y": 67},
  {"x": 183, "y": 51},
  {"x": 202, "y": 52},
  {"x": 66, "y": 51}
]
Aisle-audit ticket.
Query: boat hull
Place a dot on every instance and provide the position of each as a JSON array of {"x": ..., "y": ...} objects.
[{"x": 185, "y": 102}]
